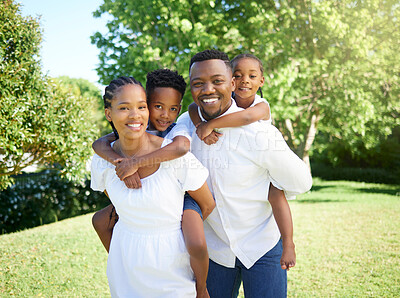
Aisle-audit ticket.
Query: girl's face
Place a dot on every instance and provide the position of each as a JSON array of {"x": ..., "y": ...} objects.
[
  {"x": 248, "y": 78},
  {"x": 129, "y": 112}
]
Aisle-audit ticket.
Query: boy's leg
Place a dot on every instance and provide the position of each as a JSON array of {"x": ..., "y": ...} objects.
[
  {"x": 266, "y": 278},
  {"x": 103, "y": 222},
  {"x": 193, "y": 233},
  {"x": 223, "y": 282}
]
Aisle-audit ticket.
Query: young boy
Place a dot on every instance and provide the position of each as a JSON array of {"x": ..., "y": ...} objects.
[{"x": 164, "y": 90}]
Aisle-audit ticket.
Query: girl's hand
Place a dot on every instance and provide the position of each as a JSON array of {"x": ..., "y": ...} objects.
[
  {"x": 133, "y": 181},
  {"x": 203, "y": 130},
  {"x": 126, "y": 167},
  {"x": 212, "y": 138}
]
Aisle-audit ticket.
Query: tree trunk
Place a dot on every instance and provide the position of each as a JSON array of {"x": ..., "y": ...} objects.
[{"x": 304, "y": 149}]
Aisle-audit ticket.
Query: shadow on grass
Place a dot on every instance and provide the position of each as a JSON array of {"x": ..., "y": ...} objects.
[
  {"x": 314, "y": 201},
  {"x": 319, "y": 187},
  {"x": 393, "y": 192}
]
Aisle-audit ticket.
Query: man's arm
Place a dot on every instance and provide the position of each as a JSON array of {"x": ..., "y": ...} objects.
[{"x": 286, "y": 170}]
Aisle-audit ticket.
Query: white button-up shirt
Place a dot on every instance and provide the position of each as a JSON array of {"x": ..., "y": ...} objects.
[{"x": 242, "y": 164}]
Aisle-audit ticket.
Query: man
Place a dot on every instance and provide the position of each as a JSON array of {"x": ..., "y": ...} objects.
[{"x": 242, "y": 236}]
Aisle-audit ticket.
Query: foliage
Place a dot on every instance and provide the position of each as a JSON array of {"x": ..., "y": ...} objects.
[
  {"x": 330, "y": 66},
  {"x": 372, "y": 175},
  {"x": 346, "y": 234},
  {"x": 41, "y": 198},
  {"x": 86, "y": 89},
  {"x": 39, "y": 121},
  {"x": 386, "y": 154}
]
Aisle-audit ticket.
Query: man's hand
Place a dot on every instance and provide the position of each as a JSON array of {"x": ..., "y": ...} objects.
[
  {"x": 126, "y": 167},
  {"x": 133, "y": 181}
]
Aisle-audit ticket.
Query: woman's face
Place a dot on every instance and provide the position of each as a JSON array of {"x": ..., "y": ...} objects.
[{"x": 129, "y": 112}]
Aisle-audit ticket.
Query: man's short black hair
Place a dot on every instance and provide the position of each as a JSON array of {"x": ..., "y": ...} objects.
[
  {"x": 210, "y": 55},
  {"x": 164, "y": 78}
]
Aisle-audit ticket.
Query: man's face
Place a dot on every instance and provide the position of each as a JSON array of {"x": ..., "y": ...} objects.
[{"x": 211, "y": 84}]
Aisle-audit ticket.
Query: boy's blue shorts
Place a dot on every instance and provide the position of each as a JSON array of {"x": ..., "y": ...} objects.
[{"x": 189, "y": 203}]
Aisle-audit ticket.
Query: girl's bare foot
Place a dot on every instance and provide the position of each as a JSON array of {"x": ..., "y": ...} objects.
[
  {"x": 288, "y": 259},
  {"x": 202, "y": 294}
]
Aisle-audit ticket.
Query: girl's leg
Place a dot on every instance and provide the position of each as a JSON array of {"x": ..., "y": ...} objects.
[
  {"x": 103, "y": 222},
  {"x": 193, "y": 233}
]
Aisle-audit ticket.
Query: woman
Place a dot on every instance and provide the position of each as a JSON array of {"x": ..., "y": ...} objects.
[{"x": 147, "y": 255}]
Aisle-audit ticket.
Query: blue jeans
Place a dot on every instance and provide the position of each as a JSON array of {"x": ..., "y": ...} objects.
[{"x": 264, "y": 279}]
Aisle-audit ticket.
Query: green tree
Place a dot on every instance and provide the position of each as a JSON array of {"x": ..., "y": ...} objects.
[
  {"x": 40, "y": 122},
  {"x": 331, "y": 66}
]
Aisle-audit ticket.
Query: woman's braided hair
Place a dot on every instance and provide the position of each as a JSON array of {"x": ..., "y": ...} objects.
[{"x": 112, "y": 89}]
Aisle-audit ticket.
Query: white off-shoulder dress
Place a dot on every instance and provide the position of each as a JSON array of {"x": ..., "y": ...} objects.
[{"x": 148, "y": 257}]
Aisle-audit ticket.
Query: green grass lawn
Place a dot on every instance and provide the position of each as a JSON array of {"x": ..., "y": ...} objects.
[{"x": 346, "y": 234}]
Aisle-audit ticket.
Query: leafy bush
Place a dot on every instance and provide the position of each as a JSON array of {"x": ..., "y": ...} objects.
[
  {"x": 373, "y": 175},
  {"x": 40, "y": 198}
]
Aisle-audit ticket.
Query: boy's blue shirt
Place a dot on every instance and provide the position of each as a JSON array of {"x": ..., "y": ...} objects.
[{"x": 162, "y": 134}]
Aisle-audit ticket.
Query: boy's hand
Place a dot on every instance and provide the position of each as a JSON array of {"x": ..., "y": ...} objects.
[
  {"x": 203, "y": 130},
  {"x": 212, "y": 138},
  {"x": 116, "y": 161},
  {"x": 133, "y": 181},
  {"x": 126, "y": 167}
]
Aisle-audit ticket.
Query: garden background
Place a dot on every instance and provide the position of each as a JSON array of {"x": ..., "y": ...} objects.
[{"x": 332, "y": 79}]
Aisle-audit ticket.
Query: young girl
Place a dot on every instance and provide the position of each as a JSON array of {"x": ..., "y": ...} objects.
[
  {"x": 248, "y": 74},
  {"x": 147, "y": 255},
  {"x": 164, "y": 90}
]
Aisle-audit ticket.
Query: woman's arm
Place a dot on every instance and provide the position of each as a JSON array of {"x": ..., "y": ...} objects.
[
  {"x": 102, "y": 147},
  {"x": 179, "y": 146},
  {"x": 194, "y": 114},
  {"x": 252, "y": 114},
  {"x": 204, "y": 198}
]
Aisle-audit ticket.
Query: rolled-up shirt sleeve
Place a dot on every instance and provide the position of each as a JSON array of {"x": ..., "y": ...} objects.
[{"x": 285, "y": 169}]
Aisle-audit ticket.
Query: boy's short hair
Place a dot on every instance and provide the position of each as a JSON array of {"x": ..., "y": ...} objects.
[
  {"x": 210, "y": 55},
  {"x": 165, "y": 78}
]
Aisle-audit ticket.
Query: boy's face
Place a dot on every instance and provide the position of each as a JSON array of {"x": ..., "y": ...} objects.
[{"x": 164, "y": 106}]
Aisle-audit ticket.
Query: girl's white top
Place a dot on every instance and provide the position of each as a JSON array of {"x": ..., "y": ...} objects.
[
  {"x": 259, "y": 99},
  {"x": 148, "y": 257}
]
